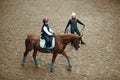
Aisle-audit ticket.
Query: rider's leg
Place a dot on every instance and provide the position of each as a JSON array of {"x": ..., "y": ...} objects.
[
  {"x": 78, "y": 32},
  {"x": 50, "y": 41},
  {"x": 72, "y": 32},
  {"x": 47, "y": 43}
]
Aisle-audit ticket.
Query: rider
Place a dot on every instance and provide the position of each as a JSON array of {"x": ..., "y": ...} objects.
[
  {"x": 47, "y": 34},
  {"x": 73, "y": 22}
]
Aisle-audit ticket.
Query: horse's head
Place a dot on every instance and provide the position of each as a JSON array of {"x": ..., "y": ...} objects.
[{"x": 76, "y": 42}]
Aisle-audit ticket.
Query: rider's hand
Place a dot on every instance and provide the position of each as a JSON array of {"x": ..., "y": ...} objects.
[{"x": 53, "y": 34}]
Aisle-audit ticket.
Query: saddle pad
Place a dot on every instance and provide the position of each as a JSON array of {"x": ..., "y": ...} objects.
[{"x": 42, "y": 43}]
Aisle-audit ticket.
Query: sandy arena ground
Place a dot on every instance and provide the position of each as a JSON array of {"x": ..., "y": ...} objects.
[{"x": 99, "y": 59}]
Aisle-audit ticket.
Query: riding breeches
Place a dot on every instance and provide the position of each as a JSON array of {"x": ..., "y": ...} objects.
[{"x": 75, "y": 30}]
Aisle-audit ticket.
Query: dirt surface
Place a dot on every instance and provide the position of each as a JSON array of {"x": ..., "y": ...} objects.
[{"x": 99, "y": 59}]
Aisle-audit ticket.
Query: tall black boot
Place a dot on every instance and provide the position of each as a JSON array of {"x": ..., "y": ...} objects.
[
  {"x": 82, "y": 42},
  {"x": 48, "y": 50}
]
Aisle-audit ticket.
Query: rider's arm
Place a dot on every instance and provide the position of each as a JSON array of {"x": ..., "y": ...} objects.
[
  {"x": 51, "y": 30},
  {"x": 46, "y": 30},
  {"x": 67, "y": 25},
  {"x": 80, "y": 22}
]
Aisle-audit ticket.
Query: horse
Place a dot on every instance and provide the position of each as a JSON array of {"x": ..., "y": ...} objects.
[{"x": 61, "y": 41}]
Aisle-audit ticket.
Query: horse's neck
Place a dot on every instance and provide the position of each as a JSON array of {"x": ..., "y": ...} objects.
[
  {"x": 67, "y": 39},
  {"x": 63, "y": 40}
]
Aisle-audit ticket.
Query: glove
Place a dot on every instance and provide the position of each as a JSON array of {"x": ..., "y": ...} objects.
[{"x": 53, "y": 34}]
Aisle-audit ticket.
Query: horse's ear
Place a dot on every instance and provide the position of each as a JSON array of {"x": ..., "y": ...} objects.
[{"x": 80, "y": 36}]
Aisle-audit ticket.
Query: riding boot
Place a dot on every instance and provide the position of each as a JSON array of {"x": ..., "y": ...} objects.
[
  {"x": 48, "y": 50},
  {"x": 82, "y": 42}
]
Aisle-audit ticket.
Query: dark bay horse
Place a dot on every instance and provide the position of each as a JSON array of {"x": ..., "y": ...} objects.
[{"x": 61, "y": 41}]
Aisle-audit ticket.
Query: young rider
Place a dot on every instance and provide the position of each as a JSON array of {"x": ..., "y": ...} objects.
[{"x": 47, "y": 33}]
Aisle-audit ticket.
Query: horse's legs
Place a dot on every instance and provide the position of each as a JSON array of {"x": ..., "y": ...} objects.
[
  {"x": 35, "y": 59},
  {"x": 53, "y": 61},
  {"x": 68, "y": 60},
  {"x": 24, "y": 56}
]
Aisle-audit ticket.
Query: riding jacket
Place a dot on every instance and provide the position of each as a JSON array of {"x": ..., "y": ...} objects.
[
  {"x": 46, "y": 30},
  {"x": 73, "y": 24}
]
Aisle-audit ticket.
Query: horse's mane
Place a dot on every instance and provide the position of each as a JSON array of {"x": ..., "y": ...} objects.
[{"x": 69, "y": 35}]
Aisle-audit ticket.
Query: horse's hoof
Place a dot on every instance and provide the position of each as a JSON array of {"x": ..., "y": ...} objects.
[
  {"x": 22, "y": 64},
  {"x": 51, "y": 70},
  {"x": 69, "y": 68},
  {"x": 38, "y": 66}
]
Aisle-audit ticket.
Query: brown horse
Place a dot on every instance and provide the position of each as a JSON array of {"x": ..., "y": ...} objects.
[{"x": 61, "y": 41}]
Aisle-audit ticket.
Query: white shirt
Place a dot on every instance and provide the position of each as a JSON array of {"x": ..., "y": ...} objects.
[{"x": 48, "y": 32}]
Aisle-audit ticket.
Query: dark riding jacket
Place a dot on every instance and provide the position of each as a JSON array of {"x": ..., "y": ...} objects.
[
  {"x": 43, "y": 32},
  {"x": 73, "y": 24},
  {"x": 48, "y": 38}
]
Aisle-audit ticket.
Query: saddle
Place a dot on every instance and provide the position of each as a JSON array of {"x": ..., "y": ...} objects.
[{"x": 42, "y": 43}]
